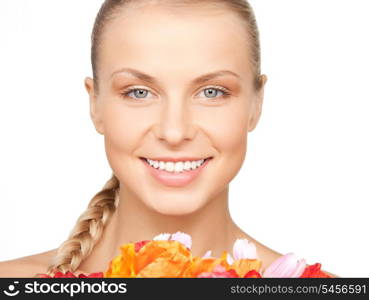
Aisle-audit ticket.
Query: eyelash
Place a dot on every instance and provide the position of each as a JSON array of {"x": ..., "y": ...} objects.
[{"x": 225, "y": 91}]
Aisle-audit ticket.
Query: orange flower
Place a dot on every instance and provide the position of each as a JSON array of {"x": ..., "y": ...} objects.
[
  {"x": 154, "y": 259},
  {"x": 170, "y": 256},
  {"x": 199, "y": 265},
  {"x": 244, "y": 265},
  {"x": 123, "y": 265},
  {"x": 163, "y": 259}
]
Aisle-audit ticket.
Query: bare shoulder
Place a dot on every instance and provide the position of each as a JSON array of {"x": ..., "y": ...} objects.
[
  {"x": 26, "y": 266},
  {"x": 266, "y": 254}
]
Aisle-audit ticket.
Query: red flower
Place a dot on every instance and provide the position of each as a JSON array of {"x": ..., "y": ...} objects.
[
  {"x": 66, "y": 275},
  {"x": 139, "y": 245},
  {"x": 69, "y": 274},
  {"x": 314, "y": 271},
  {"x": 252, "y": 274},
  {"x": 92, "y": 275}
]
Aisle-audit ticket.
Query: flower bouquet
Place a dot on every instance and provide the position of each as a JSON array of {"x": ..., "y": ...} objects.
[{"x": 169, "y": 255}]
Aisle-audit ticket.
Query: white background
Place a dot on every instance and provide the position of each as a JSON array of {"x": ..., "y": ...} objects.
[{"x": 304, "y": 185}]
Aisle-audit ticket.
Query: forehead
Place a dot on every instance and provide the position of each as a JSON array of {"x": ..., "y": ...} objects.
[{"x": 192, "y": 40}]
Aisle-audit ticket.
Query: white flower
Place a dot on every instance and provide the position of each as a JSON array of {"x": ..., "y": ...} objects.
[
  {"x": 181, "y": 237},
  {"x": 229, "y": 259},
  {"x": 242, "y": 248},
  {"x": 207, "y": 254},
  {"x": 162, "y": 237}
]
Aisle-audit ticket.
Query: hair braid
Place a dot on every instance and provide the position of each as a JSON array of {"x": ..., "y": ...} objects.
[{"x": 87, "y": 230}]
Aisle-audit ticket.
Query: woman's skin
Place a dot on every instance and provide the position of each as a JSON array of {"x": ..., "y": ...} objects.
[{"x": 175, "y": 118}]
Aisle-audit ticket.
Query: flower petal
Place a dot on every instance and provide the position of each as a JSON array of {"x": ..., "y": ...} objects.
[
  {"x": 162, "y": 237},
  {"x": 252, "y": 274},
  {"x": 207, "y": 254},
  {"x": 314, "y": 271},
  {"x": 183, "y": 238},
  {"x": 286, "y": 266},
  {"x": 299, "y": 269},
  {"x": 219, "y": 271},
  {"x": 163, "y": 259},
  {"x": 242, "y": 248},
  {"x": 244, "y": 265},
  {"x": 230, "y": 260},
  {"x": 124, "y": 264}
]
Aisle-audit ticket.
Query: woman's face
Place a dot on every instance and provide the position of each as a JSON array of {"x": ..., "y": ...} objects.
[{"x": 175, "y": 114}]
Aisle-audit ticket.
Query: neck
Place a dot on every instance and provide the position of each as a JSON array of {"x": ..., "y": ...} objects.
[{"x": 211, "y": 228}]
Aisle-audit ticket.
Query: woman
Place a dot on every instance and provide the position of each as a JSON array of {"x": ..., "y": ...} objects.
[{"x": 175, "y": 105}]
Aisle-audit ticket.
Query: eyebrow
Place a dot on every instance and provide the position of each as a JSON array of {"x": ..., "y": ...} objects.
[{"x": 198, "y": 80}]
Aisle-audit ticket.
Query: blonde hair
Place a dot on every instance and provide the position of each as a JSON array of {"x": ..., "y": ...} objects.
[{"x": 89, "y": 226}]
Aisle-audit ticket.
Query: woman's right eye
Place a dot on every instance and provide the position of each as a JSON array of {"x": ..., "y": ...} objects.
[{"x": 137, "y": 92}]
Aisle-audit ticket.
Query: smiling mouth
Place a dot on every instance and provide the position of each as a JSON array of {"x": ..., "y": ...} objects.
[{"x": 172, "y": 166}]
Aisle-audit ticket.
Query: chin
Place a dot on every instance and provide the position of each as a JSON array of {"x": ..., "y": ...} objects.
[{"x": 175, "y": 204}]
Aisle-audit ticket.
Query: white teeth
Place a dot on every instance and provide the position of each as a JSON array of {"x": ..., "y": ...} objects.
[
  {"x": 187, "y": 165},
  {"x": 179, "y": 166},
  {"x": 161, "y": 165},
  {"x": 169, "y": 166}
]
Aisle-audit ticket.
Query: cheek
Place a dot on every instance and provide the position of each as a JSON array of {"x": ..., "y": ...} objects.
[
  {"x": 124, "y": 132},
  {"x": 227, "y": 131},
  {"x": 230, "y": 138},
  {"x": 124, "y": 128},
  {"x": 227, "y": 128}
]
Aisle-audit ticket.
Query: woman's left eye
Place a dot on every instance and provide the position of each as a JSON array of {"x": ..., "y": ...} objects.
[
  {"x": 140, "y": 92},
  {"x": 210, "y": 92}
]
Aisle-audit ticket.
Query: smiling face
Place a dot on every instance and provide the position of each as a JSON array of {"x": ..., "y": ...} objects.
[{"x": 176, "y": 111}]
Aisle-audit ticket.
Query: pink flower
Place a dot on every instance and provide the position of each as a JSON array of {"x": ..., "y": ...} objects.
[
  {"x": 183, "y": 238},
  {"x": 219, "y": 272},
  {"x": 242, "y": 249},
  {"x": 286, "y": 266}
]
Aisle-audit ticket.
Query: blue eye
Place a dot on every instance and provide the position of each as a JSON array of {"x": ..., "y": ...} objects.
[
  {"x": 214, "y": 92},
  {"x": 140, "y": 93}
]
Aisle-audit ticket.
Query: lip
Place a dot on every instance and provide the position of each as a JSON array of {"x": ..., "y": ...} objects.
[
  {"x": 175, "y": 179},
  {"x": 175, "y": 159}
]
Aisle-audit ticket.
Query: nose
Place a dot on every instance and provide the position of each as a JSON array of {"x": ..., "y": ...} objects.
[{"x": 175, "y": 123}]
